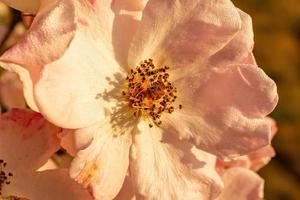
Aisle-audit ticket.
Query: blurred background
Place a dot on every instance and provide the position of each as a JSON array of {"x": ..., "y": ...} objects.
[{"x": 277, "y": 50}]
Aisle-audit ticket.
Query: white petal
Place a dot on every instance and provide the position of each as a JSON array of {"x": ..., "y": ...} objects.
[
  {"x": 162, "y": 167},
  {"x": 178, "y": 33},
  {"x": 103, "y": 164}
]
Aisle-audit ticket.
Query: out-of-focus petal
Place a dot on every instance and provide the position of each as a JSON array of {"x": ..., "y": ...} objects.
[
  {"x": 29, "y": 6},
  {"x": 27, "y": 139},
  {"x": 6, "y": 16},
  {"x": 274, "y": 127},
  {"x": 162, "y": 167},
  {"x": 17, "y": 33},
  {"x": 224, "y": 110},
  {"x": 48, "y": 185},
  {"x": 190, "y": 32},
  {"x": 103, "y": 164},
  {"x": 241, "y": 184},
  {"x": 11, "y": 91},
  {"x": 27, "y": 19}
]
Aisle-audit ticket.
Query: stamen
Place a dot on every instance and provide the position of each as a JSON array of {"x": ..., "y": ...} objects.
[
  {"x": 150, "y": 92},
  {"x": 4, "y": 177}
]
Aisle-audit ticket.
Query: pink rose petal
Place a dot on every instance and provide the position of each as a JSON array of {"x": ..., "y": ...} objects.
[
  {"x": 238, "y": 48},
  {"x": 48, "y": 185},
  {"x": 190, "y": 32},
  {"x": 223, "y": 110},
  {"x": 102, "y": 166},
  {"x": 241, "y": 184},
  {"x": 163, "y": 167},
  {"x": 27, "y": 139}
]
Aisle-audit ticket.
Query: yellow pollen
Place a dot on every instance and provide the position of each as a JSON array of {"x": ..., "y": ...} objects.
[{"x": 150, "y": 93}]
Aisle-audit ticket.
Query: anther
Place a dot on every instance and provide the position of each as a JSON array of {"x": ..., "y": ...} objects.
[
  {"x": 4, "y": 176},
  {"x": 149, "y": 91}
]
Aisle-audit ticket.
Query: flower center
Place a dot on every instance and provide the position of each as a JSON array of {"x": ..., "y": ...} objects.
[
  {"x": 150, "y": 93},
  {"x": 4, "y": 176}
]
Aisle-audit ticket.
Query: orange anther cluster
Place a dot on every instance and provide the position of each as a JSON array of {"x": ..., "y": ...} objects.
[{"x": 150, "y": 92}]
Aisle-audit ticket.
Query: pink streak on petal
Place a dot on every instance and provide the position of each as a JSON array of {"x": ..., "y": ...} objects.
[
  {"x": 22, "y": 118},
  {"x": 93, "y": 2},
  {"x": 83, "y": 22}
]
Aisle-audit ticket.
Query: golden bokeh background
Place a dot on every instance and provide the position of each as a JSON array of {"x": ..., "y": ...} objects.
[{"x": 277, "y": 49}]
